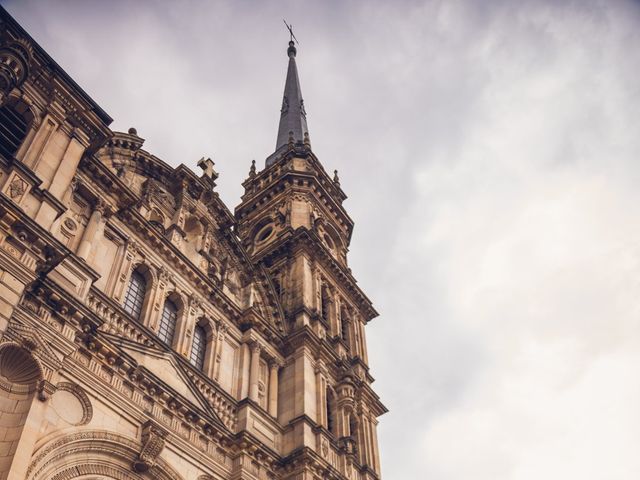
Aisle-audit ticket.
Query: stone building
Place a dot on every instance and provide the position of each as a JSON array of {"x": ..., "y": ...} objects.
[{"x": 148, "y": 332}]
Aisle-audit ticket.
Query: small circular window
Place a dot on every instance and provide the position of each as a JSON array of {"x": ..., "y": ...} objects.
[{"x": 264, "y": 233}]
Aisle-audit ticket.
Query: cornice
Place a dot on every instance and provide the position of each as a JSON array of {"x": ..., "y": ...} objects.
[{"x": 287, "y": 180}]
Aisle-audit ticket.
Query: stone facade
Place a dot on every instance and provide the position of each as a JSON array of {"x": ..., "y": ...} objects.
[{"x": 146, "y": 331}]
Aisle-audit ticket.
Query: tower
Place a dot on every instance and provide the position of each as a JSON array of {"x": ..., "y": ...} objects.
[{"x": 291, "y": 221}]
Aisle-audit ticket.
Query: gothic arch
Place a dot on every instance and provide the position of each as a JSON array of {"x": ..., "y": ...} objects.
[{"x": 110, "y": 454}]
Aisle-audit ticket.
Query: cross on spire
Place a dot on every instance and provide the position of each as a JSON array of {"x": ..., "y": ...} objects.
[{"x": 290, "y": 28}]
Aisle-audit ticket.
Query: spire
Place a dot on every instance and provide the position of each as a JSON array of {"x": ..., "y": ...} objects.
[{"x": 293, "y": 118}]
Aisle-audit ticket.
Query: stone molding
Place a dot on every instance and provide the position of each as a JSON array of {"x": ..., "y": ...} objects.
[
  {"x": 116, "y": 451},
  {"x": 78, "y": 392}
]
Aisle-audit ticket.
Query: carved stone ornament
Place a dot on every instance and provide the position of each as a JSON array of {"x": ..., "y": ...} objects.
[
  {"x": 324, "y": 447},
  {"x": 17, "y": 188},
  {"x": 70, "y": 224},
  {"x": 15, "y": 63},
  {"x": 153, "y": 441}
]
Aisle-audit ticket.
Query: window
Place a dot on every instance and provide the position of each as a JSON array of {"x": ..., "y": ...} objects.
[
  {"x": 198, "y": 347},
  {"x": 353, "y": 431},
  {"x": 330, "y": 410},
  {"x": 13, "y": 130},
  {"x": 134, "y": 298},
  {"x": 168, "y": 322},
  {"x": 344, "y": 325},
  {"x": 324, "y": 301}
]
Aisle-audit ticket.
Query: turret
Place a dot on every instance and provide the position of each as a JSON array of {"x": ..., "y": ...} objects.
[{"x": 292, "y": 222}]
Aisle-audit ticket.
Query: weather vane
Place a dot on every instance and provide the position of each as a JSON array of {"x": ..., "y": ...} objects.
[{"x": 290, "y": 28}]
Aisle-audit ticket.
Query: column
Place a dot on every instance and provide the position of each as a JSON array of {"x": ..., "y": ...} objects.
[
  {"x": 122, "y": 282},
  {"x": 67, "y": 167},
  {"x": 92, "y": 232},
  {"x": 153, "y": 307},
  {"x": 363, "y": 339},
  {"x": 187, "y": 323},
  {"x": 374, "y": 443},
  {"x": 273, "y": 389},
  {"x": 222, "y": 331},
  {"x": 245, "y": 356},
  {"x": 40, "y": 142},
  {"x": 210, "y": 352},
  {"x": 321, "y": 392},
  {"x": 28, "y": 438},
  {"x": 254, "y": 373}
]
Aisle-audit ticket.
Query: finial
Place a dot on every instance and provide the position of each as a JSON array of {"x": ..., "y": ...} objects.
[
  {"x": 291, "y": 51},
  {"x": 307, "y": 141},
  {"x": 252, "y": 170},
  {"x": 133, "y": 131},
  {"x": 336, "y": 180},
  {"x": 291, "y": 139}
]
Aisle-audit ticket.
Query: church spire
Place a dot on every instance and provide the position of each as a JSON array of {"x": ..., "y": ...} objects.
[{"x": 293, "y": 118}]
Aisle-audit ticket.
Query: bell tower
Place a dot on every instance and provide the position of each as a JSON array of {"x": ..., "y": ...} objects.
[{"x": 292, "y": 223}]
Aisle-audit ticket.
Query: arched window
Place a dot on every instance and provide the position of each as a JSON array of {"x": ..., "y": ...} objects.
[
  {"x": 134, "y": 298},
  {"x": 13, "y": 130},
  {"x": 198, "y": 347},
  {"x": 168, "y": 321}
]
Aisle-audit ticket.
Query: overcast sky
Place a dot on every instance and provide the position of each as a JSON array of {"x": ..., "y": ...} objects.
[{"x": 490, "y": 151}]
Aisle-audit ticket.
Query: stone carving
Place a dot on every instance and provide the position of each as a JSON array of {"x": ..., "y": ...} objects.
[
  {"x": 324, "y": 448},
  {"x": 153, "y": 439},
  {"x": 70, "y": 224},
  {"x": 15, "y": 62},
  {"x": 17, "y": 188}
]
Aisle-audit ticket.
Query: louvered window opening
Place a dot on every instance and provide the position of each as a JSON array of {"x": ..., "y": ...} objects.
[
  {"x": 345, "y": 328},
  {"x": 168, "y": 321},
  {"x": 198, "y": 347},
  {"x": 134, "y": 299},
  {"x": 330, "y": 405},
  {"x": 13, "y": 130}
]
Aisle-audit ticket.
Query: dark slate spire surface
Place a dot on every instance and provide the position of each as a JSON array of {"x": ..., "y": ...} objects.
[{"x": 293, "y": 118}]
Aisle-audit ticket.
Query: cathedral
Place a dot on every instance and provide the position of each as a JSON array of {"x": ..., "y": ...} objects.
[{"x": 149, "y": 332}]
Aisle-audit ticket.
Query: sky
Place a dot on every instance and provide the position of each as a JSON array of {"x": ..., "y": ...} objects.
[{"x": 490, "y": 153}]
